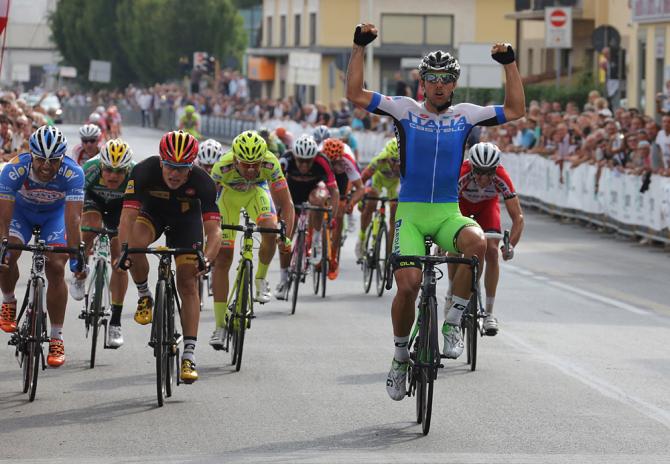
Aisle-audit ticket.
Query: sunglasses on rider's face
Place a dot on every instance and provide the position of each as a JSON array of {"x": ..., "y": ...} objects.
[
  {"x": 302, "y": 160},
  {"x": 114, "y": 170},
  {"x": 484, "y": 172},
  {"x": 177, "y": 167},
  {"x": 43, "y": 160},
  {"x": 89, "y": 140},
  {"x": 434, "y": 78}
]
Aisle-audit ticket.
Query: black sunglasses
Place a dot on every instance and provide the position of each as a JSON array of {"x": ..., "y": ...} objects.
[
  {"x": 89, "y": 140},
  {"x": 484, "y": 172}
]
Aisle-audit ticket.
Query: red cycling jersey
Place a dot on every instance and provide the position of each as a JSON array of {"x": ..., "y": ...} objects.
[{"x": 482, "y": 202}]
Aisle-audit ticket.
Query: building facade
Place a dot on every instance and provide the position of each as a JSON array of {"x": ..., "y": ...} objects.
[
  {"x": 306, "y": 44},
  {"x": 29, "y": 51},
  {"x": 649, "y": 64}
]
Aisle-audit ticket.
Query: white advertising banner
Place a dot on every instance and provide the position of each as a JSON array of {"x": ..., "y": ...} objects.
[{"x": 618, "y": 196}]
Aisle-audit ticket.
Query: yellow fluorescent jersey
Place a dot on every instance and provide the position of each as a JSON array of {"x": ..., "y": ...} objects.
[{"x": 225, "y": 174}]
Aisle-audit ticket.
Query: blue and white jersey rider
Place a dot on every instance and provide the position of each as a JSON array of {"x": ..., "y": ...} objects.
[
  {"x": 431, "y": 145},
  {"x": 40, "y": 203}
]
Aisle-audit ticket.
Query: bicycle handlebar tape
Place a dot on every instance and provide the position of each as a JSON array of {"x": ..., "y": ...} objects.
[
  {"x": 361, "y": 38},
  {"x": 505, "y": 57}
]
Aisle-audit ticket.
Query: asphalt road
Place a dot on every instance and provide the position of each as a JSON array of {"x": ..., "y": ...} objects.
[{"x": 580, "y": 372}]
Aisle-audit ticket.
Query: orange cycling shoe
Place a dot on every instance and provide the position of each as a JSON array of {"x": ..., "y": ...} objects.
[
  {"x": 56, "y": 356},
  {"x": 8, "y": 317},
  {"x": 333, "y": 270}
]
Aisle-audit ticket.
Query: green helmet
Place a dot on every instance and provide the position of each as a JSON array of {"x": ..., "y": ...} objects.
[
  {"x": 249, "y": 147},
  {"x": 392, "y": 149},
  {"x": 189, "y": 109}
]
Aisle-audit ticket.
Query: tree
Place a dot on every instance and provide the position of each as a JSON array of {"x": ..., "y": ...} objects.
[{"x": 144, "y": 39}]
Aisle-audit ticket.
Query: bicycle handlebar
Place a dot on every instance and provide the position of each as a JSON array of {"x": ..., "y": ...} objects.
[
  {"x": 308, "y": 207},
  {"x": 99, "y": 230},
  {"x": 43, "y": 248},
  {"x": 162, "y": 251},
  {"x": 386, "y": 199}
]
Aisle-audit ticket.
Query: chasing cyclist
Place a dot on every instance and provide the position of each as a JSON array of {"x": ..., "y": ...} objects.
[
  {"x": 348, "y": 177},
  {"x": 483, "y": 179},
  {"x": 310, "y": 178},
  {"x": 169, "y": 191},
  {"x": 45, "y": 188},
  {"x": 209, "y": 152},
  {"x": 91, "y": 137},
  {"x": 190, "y": 122},
  {"x": 383, "y": 173},
  {"x": 431, "y": 136},
  {"x": 106, "y": 179},
  {"x": 251, "y": 178}
]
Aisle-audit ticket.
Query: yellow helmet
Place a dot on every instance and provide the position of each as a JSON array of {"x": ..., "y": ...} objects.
[
  {"x": 116, "y": 154},
  {"x": 249, "y": 147},
  {"x": 392, "y": 149}
]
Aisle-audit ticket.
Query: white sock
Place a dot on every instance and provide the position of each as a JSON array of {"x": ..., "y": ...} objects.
[
  {"x": 283, "y": 274},
  {"x": 189, "y": 348},
  {"x": 489, "y": 304},
  {"x": 458, "y": 306},
  {"x": 8, "y": 297},
  {"x": 56, "y": 331},
  {"x": 401, "y": 349}
]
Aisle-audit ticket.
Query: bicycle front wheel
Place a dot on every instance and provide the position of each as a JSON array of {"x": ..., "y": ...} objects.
[
  {"x": 325, "y": 247},
  {"x": 297, "y": 268},
  {"x": 472, "y": 331},
  {"x": 95, "y": 310},
  {"x": 380, "y": 254},
  {"x": 368, "y": 253},
  {"x": 160, "y": 353},
  {"x": 170, "y": 346},
  {"x": 432, "y": 355},
  {"x": 36, "y": 335},
  {"x": 242, "y": 313}
]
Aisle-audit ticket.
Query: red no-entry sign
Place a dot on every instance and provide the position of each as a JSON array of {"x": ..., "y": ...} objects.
[{"x": 558, "y": 18}]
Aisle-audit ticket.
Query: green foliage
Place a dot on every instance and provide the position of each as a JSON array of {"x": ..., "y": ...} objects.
[{"x": 145, "y": 38}]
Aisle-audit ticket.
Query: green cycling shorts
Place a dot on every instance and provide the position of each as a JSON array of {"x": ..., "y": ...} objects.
[
  {"x": 256, "y": 201},
  {"x": 413, "y": 221}
]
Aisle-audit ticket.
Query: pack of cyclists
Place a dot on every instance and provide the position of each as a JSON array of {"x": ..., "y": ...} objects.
[{"x": 190, "y": 188}]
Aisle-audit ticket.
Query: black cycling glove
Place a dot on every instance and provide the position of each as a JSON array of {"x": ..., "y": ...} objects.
[
  {"x": 363, "y": 38},
  {"x": 506, "y": 57}
]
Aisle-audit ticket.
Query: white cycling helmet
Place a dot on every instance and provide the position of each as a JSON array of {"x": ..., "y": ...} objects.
[
  {"x": 100, "y": 110},
  {"x": 305, "y": 147},
  {"x": 89, "y": 131},
  {"x": 484, "y": 155},
  {"x": 209, "y": 151},
  {"x": 321, "y": 133},
  {"x": 94, "y": 118}
]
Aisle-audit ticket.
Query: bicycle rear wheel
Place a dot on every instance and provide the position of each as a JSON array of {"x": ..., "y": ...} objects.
[
  {"x": 381, "y": 249},
  {"x": 367, "y": 258},
  {"x": 242, "y": 314},
  {"x": 35, "y": 344},
  {"x": 95, "y": 310},
  {"x": 297, "y": 268},
  {"x": 160, "y": 353}
]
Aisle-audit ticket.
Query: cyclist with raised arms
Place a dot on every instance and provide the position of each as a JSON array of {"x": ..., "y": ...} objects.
[
  {"x": 383, "y": 173},
  {"x": 169, "y": 191},
  {"x": 251, "y": 178},
  {"x": 431, "y": 137},
  {"x": 347, "y": 177},
  {"x": 44, "y": 188},
  {"x": 91, "y": 136},
  {"x": 106, "y": 179},
  {"x": 310, "y": 178},
  {"x": 482, "y": 180},
  {"x": 209, "y": 152}
]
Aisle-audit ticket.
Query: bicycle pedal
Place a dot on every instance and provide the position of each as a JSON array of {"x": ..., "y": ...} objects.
[
  {"x": 82, "y": 315},
  {"x": 152, "y": 343},
  {"x": 441, "y": 366}
]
